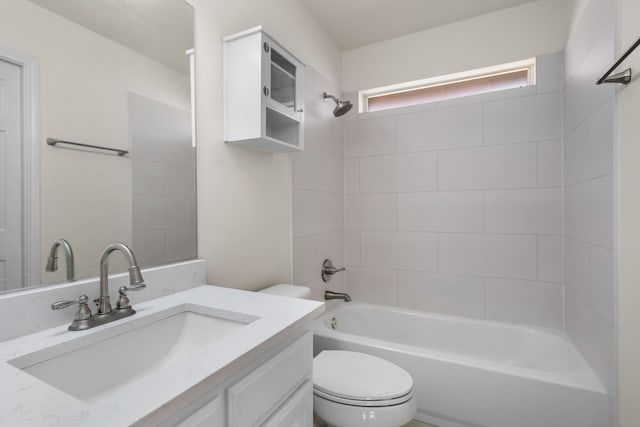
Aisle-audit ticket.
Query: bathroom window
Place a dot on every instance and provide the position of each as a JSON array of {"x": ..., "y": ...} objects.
[{"x": 490, "y": 79}]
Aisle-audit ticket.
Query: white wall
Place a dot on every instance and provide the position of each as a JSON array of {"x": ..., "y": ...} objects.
[
  {"x": 244, "y": 197},
  {"x": 628, "y": 128},
  {"x": 85, "y": 197},
  {"x": 589, "y": 180},
  {"x": 455, "y": 206},
  {"x": 508, "y": 35},
  {"x": 318, "y": 191}
]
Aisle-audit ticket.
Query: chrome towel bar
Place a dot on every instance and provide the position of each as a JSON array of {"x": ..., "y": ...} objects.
[{"x": 53, "y": 142}]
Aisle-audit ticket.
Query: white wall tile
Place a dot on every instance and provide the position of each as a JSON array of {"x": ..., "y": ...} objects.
[
  {"x": 149, "y": 213},
  {"x": 602, "y": 282},
  {"x": 304, "y": 256},
  {"x": 576, "y": 267},
  {"x": 511, "y": 166},
  {"x": 304, "y": 170},
  {"x": 594, "y": 338},
  {"x": 493, "y": 255},
  {"x": 589, "y": 211},
  {"x": 550, "y": 259},
  {"x": 372, "y": 285},
  {"x": 535, "y": 211},
  {"x": 549, "y": 164},
  {"x": 535, "y": 118},
  {"x": 181, "y": 244},
  {"x": 371, "y": 212},
  {"x": 528, "y": 302},
  {"x": 352, "y": 175},
  {"x": 318, "y": 129},
  {"x": 369, "y": 137},
  {"x": 150, "y": 247},
  {"x": 581, "y": 96},
  {"x": 456, "y": 295},
  {"x": 462, "y": 254},
  {"x": 305, "y": 217},
  {"x": 459, "y": 211},
  {"x": 330, "y": 212},
  {"x": 549, "y": 72},
  {"x": 148, "y": 178},
  {"x": 399, "y": 173},
  {"x": 180, "y": 181},
  {"x": 338, "y": 137},
  {"x": 398, "y": 250},
  {"x": 330, "y": 172},
  {"x": 317, "y": 212},
  {"x": 511, "y": 256},
  {"x": 352, "y": 247},
  {"x": 329, "y": 246},
  {"x": 441, "y": 128},
  {"x": 588, "y": 149}
]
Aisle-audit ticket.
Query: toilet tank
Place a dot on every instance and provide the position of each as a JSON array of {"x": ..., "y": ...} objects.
[{"x": 292, "y": 291}]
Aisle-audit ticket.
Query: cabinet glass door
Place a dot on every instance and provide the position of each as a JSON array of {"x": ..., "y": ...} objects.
[{"x": 283, "y": 74}]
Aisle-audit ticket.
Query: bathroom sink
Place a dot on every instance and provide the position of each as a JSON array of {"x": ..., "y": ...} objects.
[{"x": 95, "y": 366}]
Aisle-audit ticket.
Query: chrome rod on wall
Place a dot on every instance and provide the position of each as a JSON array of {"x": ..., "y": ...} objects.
[
  {"x": 623, "y": 77},
  {"x": 53, "y": 142}
]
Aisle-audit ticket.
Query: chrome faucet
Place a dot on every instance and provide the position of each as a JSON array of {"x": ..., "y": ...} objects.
[
  {"x": 329, "y": 295},
  {"x": 84, "y": 319},
  {"x": 136, "y": 282},
  {"x": 52, "y": 261}
]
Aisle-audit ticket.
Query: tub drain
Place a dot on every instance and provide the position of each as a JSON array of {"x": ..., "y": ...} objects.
[{"x": 334, "y": 323}]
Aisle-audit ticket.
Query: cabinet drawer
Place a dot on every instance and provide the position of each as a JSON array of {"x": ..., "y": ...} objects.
[
  {"x": 257, "y": 395},
  {"x": 210, "y": 415},
  {"x": 297, "y": 411}
]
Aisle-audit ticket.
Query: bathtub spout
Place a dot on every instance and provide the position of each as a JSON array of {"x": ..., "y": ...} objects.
[{"x": 328, "y": 295}]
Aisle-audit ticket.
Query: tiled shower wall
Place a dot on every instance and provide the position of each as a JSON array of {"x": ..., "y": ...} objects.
[
  {"x": 589, "y": 189},
  {"x": 456, "y": 206},
  {"x": 163, "y": 184},
  {"x": 318, "y": 190}
]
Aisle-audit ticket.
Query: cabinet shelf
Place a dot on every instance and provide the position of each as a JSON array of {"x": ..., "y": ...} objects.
[{"x": 264, "y": 93}]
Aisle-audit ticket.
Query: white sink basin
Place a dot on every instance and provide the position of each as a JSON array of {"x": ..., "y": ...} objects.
[{"x": 112, "y": 359}]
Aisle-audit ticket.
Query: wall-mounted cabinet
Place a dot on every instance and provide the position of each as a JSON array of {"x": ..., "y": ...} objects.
[{"x": 263, "y": 93}]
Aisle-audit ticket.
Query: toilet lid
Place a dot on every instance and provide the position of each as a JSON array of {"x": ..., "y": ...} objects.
[{"x": 359, "y": 376}]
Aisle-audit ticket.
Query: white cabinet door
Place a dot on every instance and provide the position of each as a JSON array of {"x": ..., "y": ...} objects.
[
  {"x": 297, "y": 411},
  {"x": 251, "y": 400},
  {"x": 210, "y": 415}
]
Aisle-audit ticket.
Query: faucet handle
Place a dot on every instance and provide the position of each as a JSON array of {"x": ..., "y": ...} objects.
[
  {"x": 123, "y": 299},
  {"x": 83, "y": 313}
]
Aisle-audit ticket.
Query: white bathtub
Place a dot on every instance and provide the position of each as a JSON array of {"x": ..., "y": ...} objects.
[{"x": 473, "y": 372}]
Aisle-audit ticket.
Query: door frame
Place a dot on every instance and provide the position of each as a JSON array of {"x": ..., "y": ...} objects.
[{"x": 30, "y": 72}]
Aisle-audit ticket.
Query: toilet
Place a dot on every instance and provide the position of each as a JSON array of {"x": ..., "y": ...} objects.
[{"x": 352, "y": 389}]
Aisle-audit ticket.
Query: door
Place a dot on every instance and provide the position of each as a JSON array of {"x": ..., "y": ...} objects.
[{"x": 11, "y": 266}]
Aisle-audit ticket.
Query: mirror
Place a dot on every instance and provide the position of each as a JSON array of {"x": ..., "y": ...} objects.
[{"x": 105, "y": 73}]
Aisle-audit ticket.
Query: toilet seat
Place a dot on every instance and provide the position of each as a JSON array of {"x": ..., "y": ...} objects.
[
  {"x": 360, "y": 379},
  {"x": 363, "y": 403}
]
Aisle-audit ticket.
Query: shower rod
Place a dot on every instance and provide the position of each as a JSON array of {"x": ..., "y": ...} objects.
[{"x": 625, "y": 76}]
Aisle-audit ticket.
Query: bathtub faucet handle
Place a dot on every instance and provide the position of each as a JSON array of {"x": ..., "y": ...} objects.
[{"x": 329, "y": 270}]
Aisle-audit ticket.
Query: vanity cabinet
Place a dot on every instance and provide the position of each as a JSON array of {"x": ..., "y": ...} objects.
[
  {"x": 263, "y": 93},
  {"x": 277, "y": 393}
]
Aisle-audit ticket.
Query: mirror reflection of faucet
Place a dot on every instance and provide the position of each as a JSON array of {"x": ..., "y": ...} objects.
[
  {"x": 52, "y": 261},
  {"x": 84, "y": 319}
]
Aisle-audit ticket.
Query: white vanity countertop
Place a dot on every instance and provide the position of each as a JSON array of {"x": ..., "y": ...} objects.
[{"x": 28, "y": 401}]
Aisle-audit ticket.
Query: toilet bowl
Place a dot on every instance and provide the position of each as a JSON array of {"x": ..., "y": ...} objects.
[{"x": 352, "y": 389}]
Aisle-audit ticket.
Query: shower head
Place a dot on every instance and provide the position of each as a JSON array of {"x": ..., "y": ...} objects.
[{"x": 342, "y": 107}]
